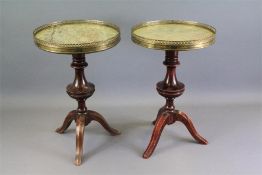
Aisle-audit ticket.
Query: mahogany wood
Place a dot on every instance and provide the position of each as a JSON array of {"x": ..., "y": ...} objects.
[
  {"x": 80, "y": 90},
  {"x": 170, "y": 88}
]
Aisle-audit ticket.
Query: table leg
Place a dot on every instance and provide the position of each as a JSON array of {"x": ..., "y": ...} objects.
[
  {"x": 159, "y": 126},
  {"x": 68, "y": 120},
  {"x": 100, "y": 119},
  {"x": 80, "y": 127},
  {"x": 182, "y": 117}
]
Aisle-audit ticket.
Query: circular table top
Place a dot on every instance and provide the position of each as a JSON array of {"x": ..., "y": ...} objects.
[
  {"x": 173, "y": 35},
  {"x": 76, "y": 36}
]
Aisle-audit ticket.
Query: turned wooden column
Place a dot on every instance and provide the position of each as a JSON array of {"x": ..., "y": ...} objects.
[
  {"x": 170, "y": 87},
  {"x": 80, "y": 89}
]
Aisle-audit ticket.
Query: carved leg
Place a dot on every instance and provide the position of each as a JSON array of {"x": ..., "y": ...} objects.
[
  {"x": 182, "y": 117},
  {"x": 160, "y": 111},
  {"x": 80, "y": 127},
  {"x": 68, "y": 120},
  {"x": 159, "y": 126},
  {"x": 100, "y": 119}
]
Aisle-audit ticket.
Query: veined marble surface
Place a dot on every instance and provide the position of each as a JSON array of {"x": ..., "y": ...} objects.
[
  {"x": 173, "y": 32},
  {"x": 76, "y": 33}
]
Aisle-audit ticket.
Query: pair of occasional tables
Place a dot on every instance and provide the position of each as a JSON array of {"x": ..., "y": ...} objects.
[{"x": 80, "y": 37}]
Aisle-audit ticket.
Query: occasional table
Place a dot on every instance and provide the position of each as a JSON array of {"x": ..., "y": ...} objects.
[
  {"x": 172, "y": 36},
  {"x": 79, "y": 37}
]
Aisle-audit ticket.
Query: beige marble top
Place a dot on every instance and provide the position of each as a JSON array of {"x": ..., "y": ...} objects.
[
  {"x": 76, "y": 33},
  {"x": 173, "y": 35},
  {"x": 76, "y": 36},
  {"x": 173, "y": 32}
]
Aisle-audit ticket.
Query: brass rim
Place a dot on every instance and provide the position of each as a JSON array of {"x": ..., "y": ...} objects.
[
  {"x": 77, "y": 48},
  {"x": 173, "y": 45}
]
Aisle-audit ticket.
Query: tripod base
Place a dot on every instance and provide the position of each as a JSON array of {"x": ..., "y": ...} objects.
[
  {"x": 167, "y": 118},
  {"x": 170, "y": 88},
  {"x": 82, "y": 120}
]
